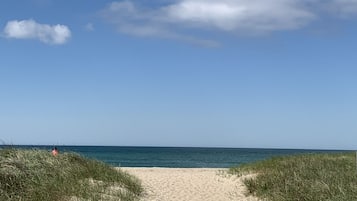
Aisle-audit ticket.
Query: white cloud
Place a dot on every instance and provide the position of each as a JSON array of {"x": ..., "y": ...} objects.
[
  {"x": 184, "y": 18},
  {"x": 132, "y": 20},
  {"x": 30, "y": 29},
  {"x": 236, "y": 15}
]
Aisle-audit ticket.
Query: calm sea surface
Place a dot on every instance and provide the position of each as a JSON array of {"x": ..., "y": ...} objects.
[{"x": 183, "y": 157}]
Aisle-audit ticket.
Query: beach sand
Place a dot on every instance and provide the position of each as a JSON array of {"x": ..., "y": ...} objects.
[{"x": 190, "y": 184}]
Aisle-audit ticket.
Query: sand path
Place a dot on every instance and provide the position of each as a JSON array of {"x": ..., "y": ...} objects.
[{"x": 189, "y": 184}]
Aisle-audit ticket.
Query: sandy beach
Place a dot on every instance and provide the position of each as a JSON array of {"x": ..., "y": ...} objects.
[{"x": 190, "y": 184}]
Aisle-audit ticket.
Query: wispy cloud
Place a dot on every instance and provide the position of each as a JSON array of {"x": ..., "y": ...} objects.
[
  {"x": 89, "y": 27},
  {"x": 30, "y": 29},
  {"x": 180, "y": 18},
  {"x": 343, "y": 8}
]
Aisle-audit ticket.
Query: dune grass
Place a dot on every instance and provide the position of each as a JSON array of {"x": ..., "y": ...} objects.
[
  {"x": 309, "y": 177},
  {"x": 31, "y": 175}
]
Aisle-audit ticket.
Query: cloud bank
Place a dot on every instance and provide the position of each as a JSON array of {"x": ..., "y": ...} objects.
[
  {"x": 179, "y": 19},
  {"x": 30, "y": 29}
]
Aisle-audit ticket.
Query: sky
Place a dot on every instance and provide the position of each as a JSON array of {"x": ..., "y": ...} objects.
[{"x": 197, "y": 73}]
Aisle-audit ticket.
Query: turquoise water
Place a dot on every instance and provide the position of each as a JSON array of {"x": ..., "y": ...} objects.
[{"x": 181, "y": 157}]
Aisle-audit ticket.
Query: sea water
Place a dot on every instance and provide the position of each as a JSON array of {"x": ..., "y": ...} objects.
[{"x": 176, "y": 157}]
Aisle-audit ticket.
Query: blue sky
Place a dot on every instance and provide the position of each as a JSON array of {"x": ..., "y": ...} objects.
[{"x": 227, "y": 73}]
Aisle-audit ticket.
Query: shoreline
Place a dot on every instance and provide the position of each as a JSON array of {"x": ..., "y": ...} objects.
[{"x": 191, "y": 184}]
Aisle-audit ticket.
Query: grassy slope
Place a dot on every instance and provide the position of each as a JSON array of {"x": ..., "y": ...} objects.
[
  {"x": 314, "y": 177},
  {"x": 37, "y": 175}
]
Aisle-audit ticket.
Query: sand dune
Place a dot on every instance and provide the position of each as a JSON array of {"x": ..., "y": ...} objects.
[{"x": 190, "y": 184}]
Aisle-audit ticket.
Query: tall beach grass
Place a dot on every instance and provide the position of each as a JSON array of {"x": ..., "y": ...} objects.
[
  {"x": 32, "y": 175},
  {"x": 309, "y": 177}
]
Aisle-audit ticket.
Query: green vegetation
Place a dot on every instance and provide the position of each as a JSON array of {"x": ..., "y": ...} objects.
[
  {"x": 37, "y": 175},
  {"x": 312, "y": 177}
]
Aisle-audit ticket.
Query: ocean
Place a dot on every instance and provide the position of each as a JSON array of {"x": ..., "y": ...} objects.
[{"x": 176, "y": 157}]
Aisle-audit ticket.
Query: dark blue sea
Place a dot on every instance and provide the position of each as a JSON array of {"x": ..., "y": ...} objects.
[{"x": 175, "y": 157}]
